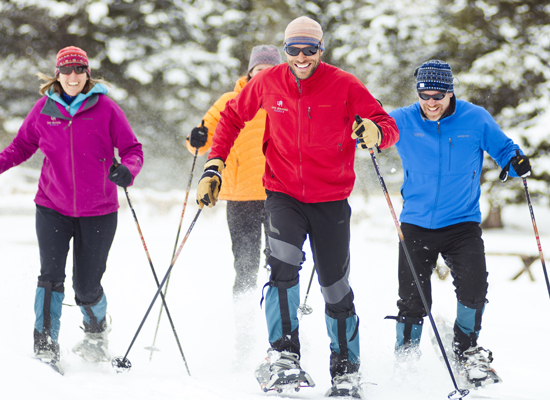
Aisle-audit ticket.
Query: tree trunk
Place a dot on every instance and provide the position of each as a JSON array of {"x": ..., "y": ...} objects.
[{"x": 494, "y": 219}]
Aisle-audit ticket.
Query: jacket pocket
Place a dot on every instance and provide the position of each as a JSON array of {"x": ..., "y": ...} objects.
[
  {"x": 326, "y": 123},
  {"x": 48, "y": 179},
  {"x": 105, "y": 176},
  {"x": 405, "y": 180},
  {"x": 473, "y": 186}
]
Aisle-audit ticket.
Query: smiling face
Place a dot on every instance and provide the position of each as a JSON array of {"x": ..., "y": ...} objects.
[
  {"x": 434, "y": 109},
  {"x": 302, "y": 66},
  {"x": 73, "y": 83}
]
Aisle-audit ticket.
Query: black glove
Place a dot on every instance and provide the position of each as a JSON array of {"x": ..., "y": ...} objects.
[
  {"x": 120, "y": 174},
  {"x": 199, "y": 136},
  {"x": 521, "y": 165}
]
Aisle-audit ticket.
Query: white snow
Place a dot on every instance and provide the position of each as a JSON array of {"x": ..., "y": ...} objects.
[{"x": 213, "y": 330}]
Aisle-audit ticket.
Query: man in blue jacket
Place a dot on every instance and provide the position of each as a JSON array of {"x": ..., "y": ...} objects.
[{"x": 441, "y": 145}]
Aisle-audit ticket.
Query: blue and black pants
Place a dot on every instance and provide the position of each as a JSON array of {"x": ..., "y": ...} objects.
[
  {"x": 328, "y": 227},
  {"x": 92, "y": 238},
  {"x": 462, "y": 249}
]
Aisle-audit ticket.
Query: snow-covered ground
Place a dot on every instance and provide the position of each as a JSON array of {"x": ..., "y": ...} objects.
[{"x": 224, "y": 341}]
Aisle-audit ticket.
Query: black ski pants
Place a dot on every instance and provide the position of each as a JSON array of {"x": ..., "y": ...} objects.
[
  {"x": 92, "y": 239},
  {"x": 328, "y": 227},
  {"x": 245, "y": 220},
  {"x": 462, "y": 249}
]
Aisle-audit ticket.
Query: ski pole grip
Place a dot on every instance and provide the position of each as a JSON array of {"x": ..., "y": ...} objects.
[{"x": 359, "y": 120}]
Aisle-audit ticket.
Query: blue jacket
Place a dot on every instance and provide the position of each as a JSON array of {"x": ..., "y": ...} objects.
[{"x": 442, "y": 161}]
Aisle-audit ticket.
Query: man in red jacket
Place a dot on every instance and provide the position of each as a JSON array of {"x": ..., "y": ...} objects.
[{"x": 309, "y": 144}]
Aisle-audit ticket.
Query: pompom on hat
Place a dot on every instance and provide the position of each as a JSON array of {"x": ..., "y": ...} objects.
[
  {"x": 434, "y": 75},
  {"x": 71, "y": 56},
  {"x": 264, "y": 54},
  {"x": 304, "y": 31}
]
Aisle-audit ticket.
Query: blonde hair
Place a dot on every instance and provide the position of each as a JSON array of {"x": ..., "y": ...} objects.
[{"x": 50, "y": 82}]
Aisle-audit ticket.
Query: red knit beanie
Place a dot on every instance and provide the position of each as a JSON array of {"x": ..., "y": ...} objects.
[{"x": 70, "y": 56}]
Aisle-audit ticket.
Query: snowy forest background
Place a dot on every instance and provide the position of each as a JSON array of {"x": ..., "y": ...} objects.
[{"x": 168, "y": 61}]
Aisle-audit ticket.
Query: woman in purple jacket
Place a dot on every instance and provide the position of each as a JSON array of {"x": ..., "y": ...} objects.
[{"x": 77, "y": 127}]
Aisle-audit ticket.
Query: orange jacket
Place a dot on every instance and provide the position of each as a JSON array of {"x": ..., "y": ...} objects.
[{"x": 245, "y": 165}]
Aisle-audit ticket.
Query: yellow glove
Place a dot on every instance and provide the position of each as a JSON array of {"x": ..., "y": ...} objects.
[
  {"x": 210, "y": 183},
  {"x": 367, "y": 132}
]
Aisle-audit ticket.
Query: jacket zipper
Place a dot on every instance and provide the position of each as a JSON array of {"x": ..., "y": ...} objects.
[
  {"x": 450, "y": 152},
  {"x": 309, "y": 125},
  {"x": 299, "y": 139},
  {"x": 70, "y": 126},
  {"x": 439, "y": 175}
]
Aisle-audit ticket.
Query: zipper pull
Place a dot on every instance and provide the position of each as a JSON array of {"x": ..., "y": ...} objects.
[
  {"x": 298, "y": 83},
  {"x": 309, "y": 112},
  {"x": 451, "y": 142},
  {"x": 70, "y": 122}
]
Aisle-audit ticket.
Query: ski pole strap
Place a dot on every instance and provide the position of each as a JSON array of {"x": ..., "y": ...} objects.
[
  {"x": 406, "y": 320},
  {"x": 504, "y": 173}
]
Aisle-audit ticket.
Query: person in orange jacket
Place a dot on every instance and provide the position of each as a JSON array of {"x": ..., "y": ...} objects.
[{"x": 242, "y": 176}]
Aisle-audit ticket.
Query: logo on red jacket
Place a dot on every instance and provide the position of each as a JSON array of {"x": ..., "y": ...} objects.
[{"x": 279, "y": 107}]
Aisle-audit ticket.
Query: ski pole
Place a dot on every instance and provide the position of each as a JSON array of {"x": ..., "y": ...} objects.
[
  {"x": 152, "y": 348},
  {"x": 122, "y": 364},
  {"x": 304, "y": 309},
  {"x": 536, "y": 233},
  {"x": 460, "y": 392}
]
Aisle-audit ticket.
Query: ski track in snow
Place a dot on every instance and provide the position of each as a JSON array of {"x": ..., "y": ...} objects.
[{"x": 213, "y": 329}]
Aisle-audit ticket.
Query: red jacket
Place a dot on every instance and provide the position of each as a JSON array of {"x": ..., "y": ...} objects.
[{"x": 307, "y": 142}]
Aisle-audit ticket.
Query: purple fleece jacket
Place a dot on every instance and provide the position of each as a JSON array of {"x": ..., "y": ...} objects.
[{"x": 78, "y": 152}]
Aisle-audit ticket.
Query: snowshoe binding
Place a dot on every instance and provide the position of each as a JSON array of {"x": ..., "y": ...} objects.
[
  {"x": 474, "y": 368},
  {"x": 281, "y": 371},
  {"x": 347, "y": 386},
  {"x": 94, "y": 347}
]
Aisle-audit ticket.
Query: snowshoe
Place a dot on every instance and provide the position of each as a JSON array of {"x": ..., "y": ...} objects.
[
  {"x": 281, "y": 371},
  {"x": 47, "y": 351},
  {"x": 474, "y": 367},
  {"x": 408, "y": 354},
  {"x": 347, "y": 385},
  {"x": 56, "y": 365},
  {"x": 94, "y": 347}
]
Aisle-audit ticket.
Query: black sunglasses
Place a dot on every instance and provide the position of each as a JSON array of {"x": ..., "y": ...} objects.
[
  {"x": 437, "y": 97},
  {"x": 307, "y": 51},
  {"x": 79, "y": 69}
]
